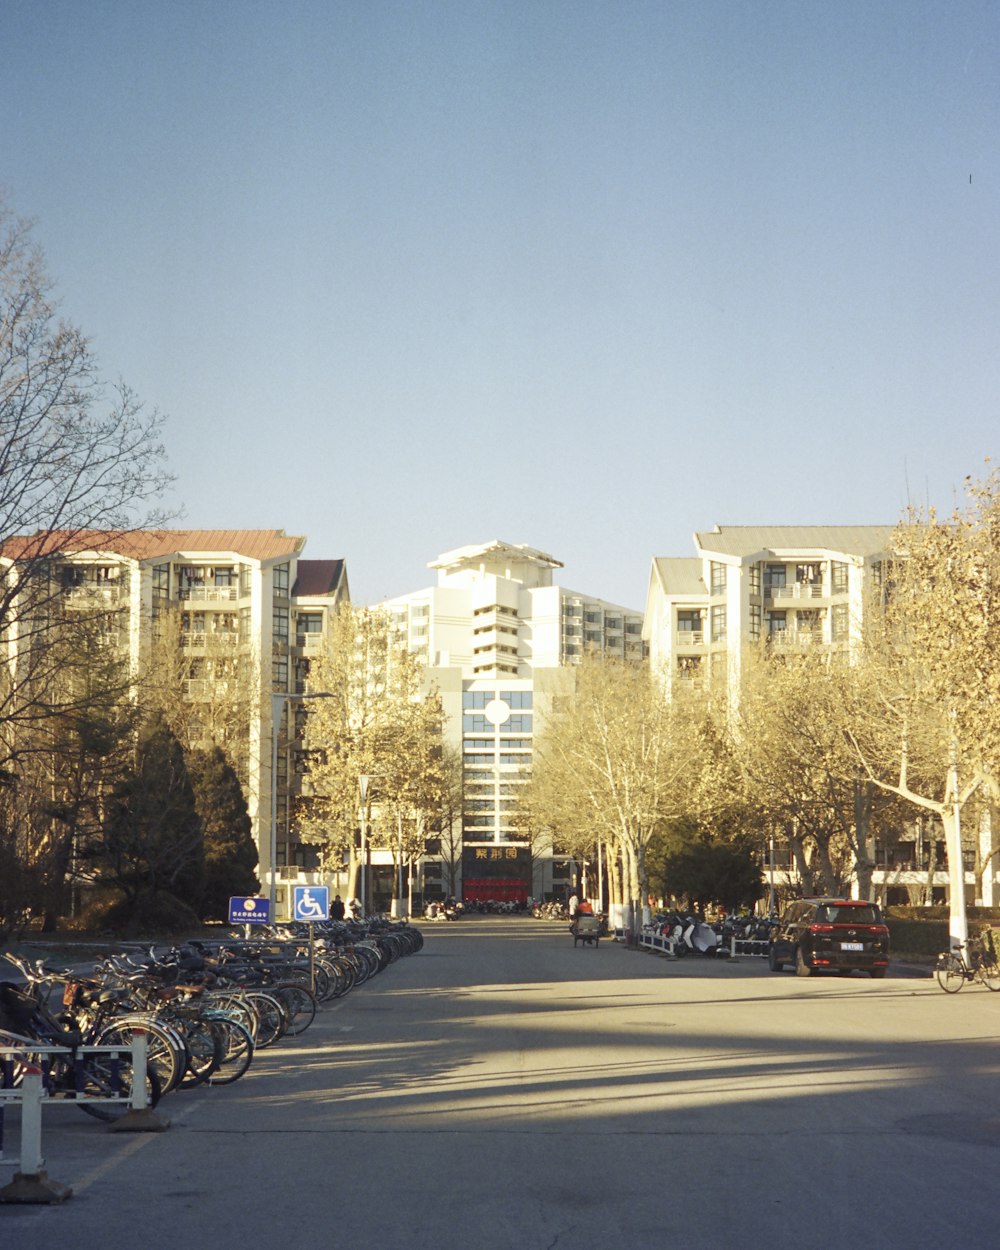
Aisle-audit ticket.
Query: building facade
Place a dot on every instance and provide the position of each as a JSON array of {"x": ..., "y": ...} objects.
[
  {"x": 235, "y": 615},
  {"x": 499, "y": 639},
  {"x": 793, "y": 585}
]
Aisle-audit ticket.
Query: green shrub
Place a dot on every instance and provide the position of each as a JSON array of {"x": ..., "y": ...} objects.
[{"x": 917, "y": 937}]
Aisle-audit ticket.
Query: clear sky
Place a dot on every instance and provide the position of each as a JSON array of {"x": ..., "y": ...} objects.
[{"x": 406, "y": 275}]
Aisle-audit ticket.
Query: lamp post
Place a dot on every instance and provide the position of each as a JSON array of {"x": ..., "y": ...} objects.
[
  {"x": 277, "y": 699},
  {"x": 363, "y": 781}
]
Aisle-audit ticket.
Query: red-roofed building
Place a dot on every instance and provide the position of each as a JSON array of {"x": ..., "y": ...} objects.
[{"x": 244, "y": 601}]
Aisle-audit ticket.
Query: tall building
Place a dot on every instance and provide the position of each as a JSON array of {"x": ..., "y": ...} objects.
[
  {"x": 237, "y": 614},
  {"x": 499, "y": 640},
  {"x": 795, "y": 585}
]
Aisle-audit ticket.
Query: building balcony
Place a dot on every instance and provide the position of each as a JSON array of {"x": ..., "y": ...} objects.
[
  {"x": 208, "y": 594},
  {"x": 797, "y": 592},
  {"x": 95, "y": 594},
  {"x": 689, "y": 640},
  {"x": 199, "y": 641}
]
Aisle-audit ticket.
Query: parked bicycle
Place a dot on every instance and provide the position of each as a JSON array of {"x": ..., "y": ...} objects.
[{"x": 973, "y": 961}]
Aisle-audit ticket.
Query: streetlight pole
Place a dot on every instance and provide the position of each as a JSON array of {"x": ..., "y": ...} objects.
[
  {"x": 363, "y": 781},
  {"x": 277, "y": 699}
]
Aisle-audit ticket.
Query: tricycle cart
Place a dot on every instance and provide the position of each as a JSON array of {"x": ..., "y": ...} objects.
[{"x": 586, "y": 928}]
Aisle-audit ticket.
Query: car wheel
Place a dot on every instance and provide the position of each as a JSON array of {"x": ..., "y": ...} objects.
[
  {"x": 802, "y": 969},
  {"x": 774, "y": 963}
]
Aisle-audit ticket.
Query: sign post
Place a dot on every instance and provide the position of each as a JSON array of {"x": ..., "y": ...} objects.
[{"x": 309, "y": 904}]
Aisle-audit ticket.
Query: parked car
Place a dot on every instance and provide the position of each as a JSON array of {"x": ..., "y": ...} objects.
[{"x": 837, "y": 933}]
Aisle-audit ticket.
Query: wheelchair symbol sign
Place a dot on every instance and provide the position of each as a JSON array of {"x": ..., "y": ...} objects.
[{"x": 311, "y": 902}]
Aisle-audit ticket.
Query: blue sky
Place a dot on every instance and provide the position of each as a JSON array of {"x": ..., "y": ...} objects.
[{"x": 586, "y": 276}]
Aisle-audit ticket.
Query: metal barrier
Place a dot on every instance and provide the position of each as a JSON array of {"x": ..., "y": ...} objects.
[{"x": 32, "y": 1183}]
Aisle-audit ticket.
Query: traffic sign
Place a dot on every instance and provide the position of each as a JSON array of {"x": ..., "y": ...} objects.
[
  {"x": 311, "y": 902},
  {"x": 245, "y": 910}
]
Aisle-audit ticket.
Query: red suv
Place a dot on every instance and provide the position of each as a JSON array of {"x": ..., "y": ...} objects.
[{"x": 838, "y": 933}]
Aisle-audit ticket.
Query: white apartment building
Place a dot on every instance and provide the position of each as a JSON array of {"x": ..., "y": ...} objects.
[
  {"x": 499, "y": 639},
  {"x": 795, "y": 585},
  {"x": 249, "y": 610}
]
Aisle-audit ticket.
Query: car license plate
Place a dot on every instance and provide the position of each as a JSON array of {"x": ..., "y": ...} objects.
[{"x": 852, "y": 946}]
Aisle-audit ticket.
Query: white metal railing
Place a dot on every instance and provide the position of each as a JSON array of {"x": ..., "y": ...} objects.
[
  {"x": 208, "y": 594},
  {"x": 308, "y": 642},
  {"x": 690, "y": 637},
  {"x": 31, "y": 1184},
  {"x": 101, "y": 592},
  {"x": 795, "y": 592}
]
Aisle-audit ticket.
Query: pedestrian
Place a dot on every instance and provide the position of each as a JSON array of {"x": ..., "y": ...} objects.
[
  {"x": 574, "y": 903},
  {"x": 337, "y": 908}
]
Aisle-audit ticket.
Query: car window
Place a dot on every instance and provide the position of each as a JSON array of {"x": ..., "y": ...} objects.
[{"x": 858, "y": 914}]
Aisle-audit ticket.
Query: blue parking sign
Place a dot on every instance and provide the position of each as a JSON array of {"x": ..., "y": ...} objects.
[
  {"x": 311, "y": 902},
  {"x": 245, "y": 910}
]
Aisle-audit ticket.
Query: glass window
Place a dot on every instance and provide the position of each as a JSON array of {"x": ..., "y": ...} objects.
[
  {"x": 719, "y": 624},
  {"x": 718, "y": 577},
  {"x": 280, "y": 582},
  {"x": 476, "y": 725},
  {"x": 755, "y": 617},
  {"x": 689, "y": 621},
  {"x": 279, "y": 624},
  {"x": 775, "y": 575},
  {"x": 777, "y": 622},
  {"x": 517, "y": 724},
  {"x": 517, "y": 699},
  {"x": 838, "y": 577},
  {"x": 754, "y": 578},
  {"x": 310, "y": 623},
  {"x": 840, "y": 622}
]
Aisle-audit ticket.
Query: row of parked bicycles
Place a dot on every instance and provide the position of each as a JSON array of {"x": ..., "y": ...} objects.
[{"x": 205, "y": 1010}]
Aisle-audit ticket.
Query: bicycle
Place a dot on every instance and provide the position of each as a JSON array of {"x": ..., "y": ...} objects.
[{"x": 953, "y": 969}]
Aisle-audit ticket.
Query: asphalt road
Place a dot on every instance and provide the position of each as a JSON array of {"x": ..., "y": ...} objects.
[{"x": 504, "y": 1089}]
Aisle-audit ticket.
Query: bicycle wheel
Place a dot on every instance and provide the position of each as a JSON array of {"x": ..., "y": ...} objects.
[
  {"x": 300, "y": 1005},
  {"x": 950, "y": 973},
  {"x": 989, "y": 974},
  {"x": 167, "y": 1055},
  {"x": 237, "y": 1046},
  {"x": 272, "y": 1018},
  {"x": 106, "y": 1076},
  {"x": 205, "y": 1051}
]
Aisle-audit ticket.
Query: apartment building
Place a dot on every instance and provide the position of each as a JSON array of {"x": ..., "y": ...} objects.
[
  {"x": 499, "y": 638},
  {"x": 237, "y": 614},
  {"x": 795, "y": 585}
]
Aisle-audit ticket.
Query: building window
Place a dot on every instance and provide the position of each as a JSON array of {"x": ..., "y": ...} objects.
[
  {"x": 246, "y": 581},
  {"x": 280, "y": 581},
  {"x": 719, "y": 624},
  {"x": 777, "y": 623},
  {"x": 310, "y": 623},
  {"x": 718, "y": 578},
  {"x": 754, "y": 624},
  {"x": 754, "y": 579},
  {"x": 279, "y": 624},
  {"x": 775, "y": 576},
  {"x": 839, "y": 622},
  {"x": 161, "y": 582},
  {"x": 279, "y": 674},
  {"x": 808, "y": 574},
  {"x": 838, "y": 577},
  {"x": 689, "y": 621}
]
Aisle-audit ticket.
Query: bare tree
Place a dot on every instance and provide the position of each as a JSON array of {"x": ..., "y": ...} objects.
[{"x": 76, "y": 458}]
